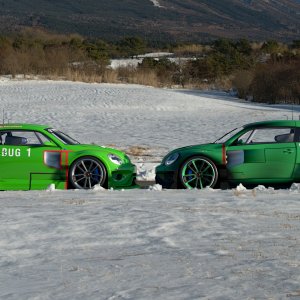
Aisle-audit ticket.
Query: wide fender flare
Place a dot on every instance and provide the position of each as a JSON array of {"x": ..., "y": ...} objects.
[
  {"x": 216, "y": 158},
  {"x": 102, "y": 157}
]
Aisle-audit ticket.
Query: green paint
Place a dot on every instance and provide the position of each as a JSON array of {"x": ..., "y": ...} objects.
[
  {"x": 45, "y": 157},
  {"x": 269, "y": 154}
]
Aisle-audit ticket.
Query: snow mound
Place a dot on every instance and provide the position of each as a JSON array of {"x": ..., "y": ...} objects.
[
  {"x": 295, "y": 187},
  {"x": 155, "y": 187},
  {"x": 240, "y": 188},
  {"x": 262, "y": 188},
  {"x": 98, "y": 187},
  {"x": 51, "y": 187}
]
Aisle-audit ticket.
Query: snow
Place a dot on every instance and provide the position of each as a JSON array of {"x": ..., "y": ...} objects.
[
  {"x": 133, "y": 62},
  {"x": 125, "y": 63},
  {"x": 156, "y": 54},
  {"x": 148, "y": 243},
  {"x": 156, "y": 3}
]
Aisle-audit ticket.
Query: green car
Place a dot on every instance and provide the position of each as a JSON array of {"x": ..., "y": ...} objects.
[
  {"x": 258, "y": 153},
  {"x": 34, "y": 156}
]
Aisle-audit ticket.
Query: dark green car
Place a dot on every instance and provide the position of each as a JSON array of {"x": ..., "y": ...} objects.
[
  {"x": 258, "y": 153},
  {"x": 34, "y": 156}
]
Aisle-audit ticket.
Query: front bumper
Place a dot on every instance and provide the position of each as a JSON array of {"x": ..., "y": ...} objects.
[
  {"x": 168, "y": 179},
  {"x": 123, "y": 177}
]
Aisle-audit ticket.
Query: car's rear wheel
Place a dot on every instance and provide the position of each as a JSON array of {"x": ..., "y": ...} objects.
[
  {"x": 87, "y": 172},
  {"x": 198, "y": 172}
]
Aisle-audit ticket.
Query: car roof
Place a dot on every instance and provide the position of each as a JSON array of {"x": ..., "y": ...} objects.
[
  {"x": 275, "y": 123},
  {"x": 22, "y": 126}
]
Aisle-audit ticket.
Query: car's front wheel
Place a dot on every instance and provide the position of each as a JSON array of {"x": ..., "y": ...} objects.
[
  {"x": 87, "y": 172},
  {"x": 198, "y": 172}
]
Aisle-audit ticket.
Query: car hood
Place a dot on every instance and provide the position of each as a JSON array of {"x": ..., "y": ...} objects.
[
  {"x": 92, "y": 147},
  {"x": 200, "y": 148}
]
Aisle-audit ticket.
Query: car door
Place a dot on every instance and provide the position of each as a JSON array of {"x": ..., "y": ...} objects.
[
  {"x": 22, "y": 160},
  {"x": 266, "y": 154}
]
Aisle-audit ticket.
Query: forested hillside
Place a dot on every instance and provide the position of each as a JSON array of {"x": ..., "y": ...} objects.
[{"x": 171, "y": 20}]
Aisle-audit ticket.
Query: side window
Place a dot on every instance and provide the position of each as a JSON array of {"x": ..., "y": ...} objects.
[
  {"x": 43, "y": 139},
  {"x": 243, "y": 139},
  {"x": 19, "y": 138},
  {"x": 272, "y": 135}
]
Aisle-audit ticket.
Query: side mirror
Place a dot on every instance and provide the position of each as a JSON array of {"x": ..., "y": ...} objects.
[{"x": 239, "y": 142}]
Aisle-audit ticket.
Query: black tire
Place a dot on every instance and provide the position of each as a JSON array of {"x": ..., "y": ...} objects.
[
  {"x": 86, "y": 172},
  {"x": 198, "y": 172}
]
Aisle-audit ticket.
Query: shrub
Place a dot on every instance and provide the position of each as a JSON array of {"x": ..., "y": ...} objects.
[
  {"x": 163, "y": 68},
  {"x": 242, "y": 81},
  {"x": 279, "y": 83}
]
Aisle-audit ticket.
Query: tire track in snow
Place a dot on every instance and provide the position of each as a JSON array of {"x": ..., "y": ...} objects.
[{"x": 130, "y": 115}]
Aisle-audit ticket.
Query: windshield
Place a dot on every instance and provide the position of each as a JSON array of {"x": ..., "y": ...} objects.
[
  {"x": 228, "y": 135},
  {"x": 63, "y": 137}
]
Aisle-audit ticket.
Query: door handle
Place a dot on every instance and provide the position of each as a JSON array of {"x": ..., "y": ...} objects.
[{"x": 288, "y": 151}]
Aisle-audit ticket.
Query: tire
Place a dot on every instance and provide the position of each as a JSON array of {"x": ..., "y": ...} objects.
[
  {"x": 198, "y": 172},
  {"x": 86, "y": 172}
]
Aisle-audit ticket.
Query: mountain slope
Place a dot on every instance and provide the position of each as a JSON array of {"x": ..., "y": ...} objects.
[{"x": 160, "y": 19}]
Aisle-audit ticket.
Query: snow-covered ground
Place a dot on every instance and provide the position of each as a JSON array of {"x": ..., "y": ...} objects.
[
  {"x": 133, "y": 62},
  {"x": 148, "y": 243}
]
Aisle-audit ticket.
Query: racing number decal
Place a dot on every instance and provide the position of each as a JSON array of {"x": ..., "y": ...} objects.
[{"x": 14, "y": 152}]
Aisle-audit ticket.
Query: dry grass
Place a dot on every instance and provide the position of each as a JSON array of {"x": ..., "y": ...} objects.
[
  {"x": 138, "y": 151},
  {"x": 81, "y": 75},
  {"x": 146, "y": 78},
  {"x": 110, "y": 76},
  {"x": 75, "y": 75},
  {"x": 138, "y": 76}
]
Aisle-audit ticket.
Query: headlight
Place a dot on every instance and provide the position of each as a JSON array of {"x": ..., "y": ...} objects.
[
  {"x": 171, "y": 159},
  {"x": 115, "y": 159}
]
